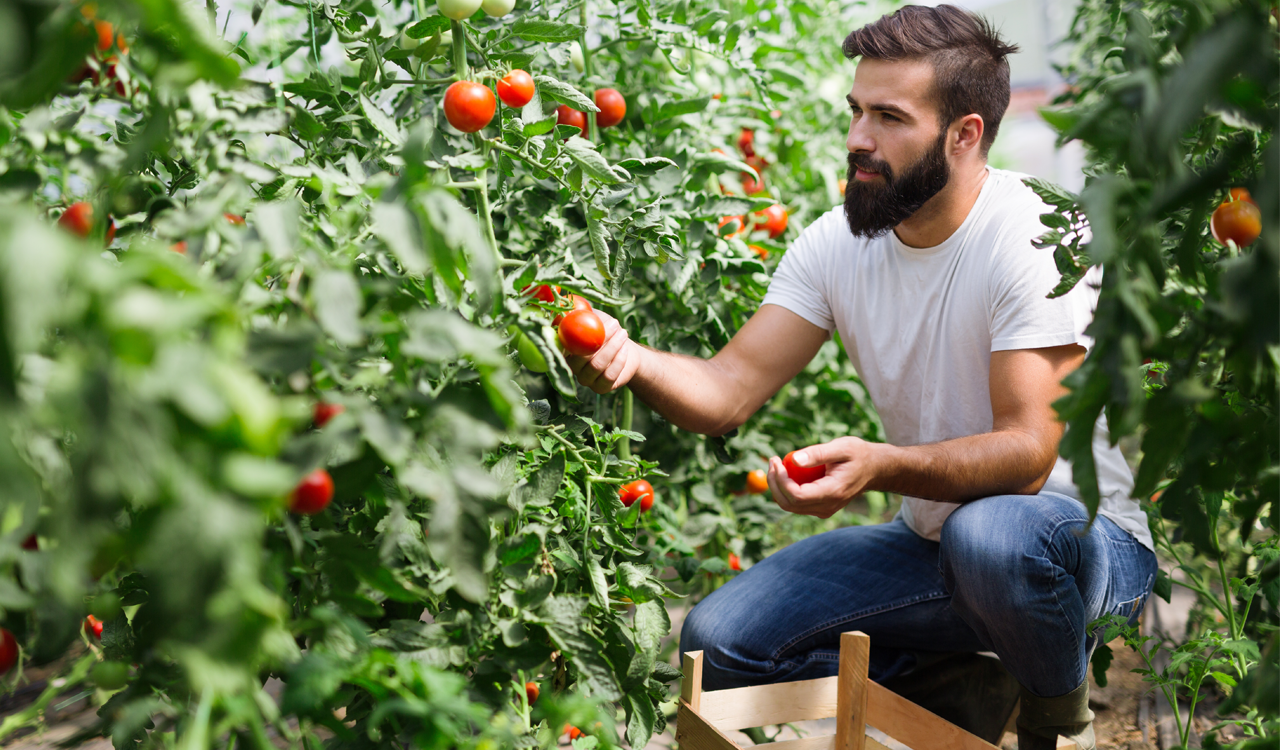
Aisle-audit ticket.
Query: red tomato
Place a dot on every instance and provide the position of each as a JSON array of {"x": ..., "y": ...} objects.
[
  {"x": 773, "y": 220},
  {"x": 8, "y": 650},
  {"x": 750, "y": 185},
  {"x": 734, "y": 229},
  {"x": 179, "y": 247},
  {"x": 106, "y": 34},
  {"x": 324, "y": 411},
  {"x": 646, "y": 502},
  {"x": 578, "y": 304},
  {"x": 1236, "y": 220},
  {"x": 531, "y": 692},
  {"x": 543, "y": 292},
  {"x": 235, "y": 219},
  {"x": 516, "y": 89},
  {"x": 734, "y": 562},
  {"x": 801, "y": 474},
  {"x": 93, "y": 626},
  {"x": 746, "y": 142},
  {"x": 1242, "y": 194},
  {"x": 312, "y": 494},
  {"x": 77, "y": 219},
  {"x": 31, "y": 542},
  {"x": 111, "y": 231},
  {"x": 637, "y": 490},
  {"x": 762, "y": 252},
  {"x": 582, "y": 332},
  {"x": 757, "y": 481},
  {"x": 574, "y": 732},
  {"x": 566, "y": 115},
  {"x": 612, "y": 107},
  {"x": 469, "y": 106}
]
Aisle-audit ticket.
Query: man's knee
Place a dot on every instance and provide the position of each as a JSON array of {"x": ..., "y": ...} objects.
[{"x": 992, "y": 547}]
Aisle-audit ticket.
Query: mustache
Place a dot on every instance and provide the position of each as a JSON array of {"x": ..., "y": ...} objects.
[{"x": 868, "y": 164}]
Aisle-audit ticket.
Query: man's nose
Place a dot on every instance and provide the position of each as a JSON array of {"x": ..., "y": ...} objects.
[{"x": 859, "y": 139}]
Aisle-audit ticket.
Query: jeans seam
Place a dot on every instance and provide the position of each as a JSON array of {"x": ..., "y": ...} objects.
[{"x": 777, "y": 654}]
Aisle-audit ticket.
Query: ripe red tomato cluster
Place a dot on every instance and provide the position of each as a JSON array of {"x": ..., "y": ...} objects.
[
  {"x": 566, "y": 115},
  {"x": 802, "y": 474},
  {"x": 312, "y": 494},
  {"x": 106, "y": 38},
  {"x": 78, "y": 220},
  {"x": 469, "y": 106},
  {"x": 1237, "y": 220},
  {"x": 773, "y": 219},
  {"x": 640, "y": 490}
]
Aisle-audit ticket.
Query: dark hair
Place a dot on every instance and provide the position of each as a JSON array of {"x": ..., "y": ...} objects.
[{"x": 970, "y": 72}]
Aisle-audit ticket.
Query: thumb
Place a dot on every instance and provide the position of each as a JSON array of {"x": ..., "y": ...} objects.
[{"x": 815, "y": 455}]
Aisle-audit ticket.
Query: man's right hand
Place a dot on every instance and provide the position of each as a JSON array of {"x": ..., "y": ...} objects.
[{"x": 614, "y": 364}]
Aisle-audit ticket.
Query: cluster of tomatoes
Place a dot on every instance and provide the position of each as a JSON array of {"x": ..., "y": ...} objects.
[
  {"x": 579, "y": 329},
  {"x": 106, "y": 61},
  {"x": 470, "y": 106},
  {"x": 772, "y": 220}
]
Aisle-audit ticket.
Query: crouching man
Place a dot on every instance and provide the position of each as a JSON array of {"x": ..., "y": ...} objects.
[{"x": 929, "y": 275}]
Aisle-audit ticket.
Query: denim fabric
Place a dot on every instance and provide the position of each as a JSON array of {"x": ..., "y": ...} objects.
[{"x": 1013, "y": 574}]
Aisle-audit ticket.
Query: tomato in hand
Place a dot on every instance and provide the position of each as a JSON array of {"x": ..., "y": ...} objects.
[
  {"x": 77, "y": 219},
  {"x": 325, "y": 411},
  {"x": 8, "y": 650},
  {"x": 578, "y": 304},
  {"x": 516, "y": 89},
  {"x": 612, "y": 107},
  {"x": 757, "y": 481},
  {"x": 469, "y": 106},
  {"x": 93, "y": 626},
  {"x": 566, "y": 115},
  {"x": 638, "y": 490},
  {"x": 458, "y": 10},
  {"x": 803, "y": 474},
  {"x": 773, "y": 220},
  {"x": 531, "y": 692},
  {"x": 582, "y": 333},
  {"x": 734, "y": 562},
  {"x": 1237, "y": 219},
  {"x": 312, "y": 494}
]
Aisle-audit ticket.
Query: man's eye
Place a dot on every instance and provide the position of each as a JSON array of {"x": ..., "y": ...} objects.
[{"x": 890, "y": 117}]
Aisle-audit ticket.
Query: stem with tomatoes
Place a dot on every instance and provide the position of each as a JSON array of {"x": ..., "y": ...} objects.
[{"x": 484, "y": 211}]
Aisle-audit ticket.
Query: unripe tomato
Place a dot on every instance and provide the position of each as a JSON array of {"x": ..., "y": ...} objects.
[
  {"x": 312, "y": 494},
  {"x": 235, "y": 219},
  {"x": 578, "y": 304},
  {"x": 612, "y": 107},
  {"x": 77, "y": 219},
  {"x": 638, "y": 490},
  {"x": 325, "y": 411},
  {"x": 469, "y": 106},
  {"x": 575, "y": 57},
  {"x": 498, "y": 8},
  {"x": 734, "y": 562},
  {"x": 773, "y": 219},
  {"x": 543, "y": 292},
  {"x": 110, "y": 675},
  {"x": 93, "y": 626},
  {"x": 516, "y": 88},
  {"x": 1238, "y": 220},
  {"x": 531, "y": 692},
  {"x": 566, "y": 115},
  {"x": 8, "y": 650},
  {"x": 582, "y": 333},
  {"x": 757, "y": 481},
  {"x": 802, "y": 474},
  {"x": 747, "y": 141},
  {"x": 458, "y": 10},
  {"x": 530, "y": 356}
]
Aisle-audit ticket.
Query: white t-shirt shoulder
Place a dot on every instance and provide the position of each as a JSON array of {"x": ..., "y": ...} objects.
[{"x": 920, "y": 325}]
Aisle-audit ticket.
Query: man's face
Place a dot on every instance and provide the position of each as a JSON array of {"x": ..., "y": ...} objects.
[{"x": 897, "y": 152}]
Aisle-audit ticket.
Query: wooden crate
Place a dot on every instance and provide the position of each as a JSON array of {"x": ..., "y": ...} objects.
[{"x": 855, "y": 701}]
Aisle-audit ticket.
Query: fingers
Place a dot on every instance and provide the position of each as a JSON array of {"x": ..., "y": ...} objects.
[
  {"x": 801, "y": 499},
  {"x": 612, "y": 366}
]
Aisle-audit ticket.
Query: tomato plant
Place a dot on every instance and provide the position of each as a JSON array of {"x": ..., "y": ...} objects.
[{"x": 77, "y": 219}]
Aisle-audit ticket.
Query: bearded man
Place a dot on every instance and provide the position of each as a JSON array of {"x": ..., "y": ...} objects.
[{"x": 929, "y": 275}]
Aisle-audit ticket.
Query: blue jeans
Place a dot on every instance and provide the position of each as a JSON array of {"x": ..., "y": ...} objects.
[{"x": 1014, "y": 574}]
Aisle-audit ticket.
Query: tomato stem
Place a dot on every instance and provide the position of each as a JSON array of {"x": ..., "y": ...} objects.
[
  {"x": 628, "y": 409},
  {"x": 459, "y": 50},
  {"x": 593, "y": 131}
]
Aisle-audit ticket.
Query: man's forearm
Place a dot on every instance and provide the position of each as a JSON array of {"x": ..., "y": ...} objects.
[
  {"x": 1009, "y": 462},
  {"x": 689, "y": 392}
]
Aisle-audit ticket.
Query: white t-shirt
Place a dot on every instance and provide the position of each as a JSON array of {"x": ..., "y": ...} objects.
[{"x": 920, "y": 324}]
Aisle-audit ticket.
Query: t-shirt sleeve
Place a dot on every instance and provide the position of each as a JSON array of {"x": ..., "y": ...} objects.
[
  {"x": 799, "y": 284},
  {"x": 1022, "y": 315}
]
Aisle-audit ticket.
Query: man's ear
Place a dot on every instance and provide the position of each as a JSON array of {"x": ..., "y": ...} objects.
[{"x": 966, "y": 134}]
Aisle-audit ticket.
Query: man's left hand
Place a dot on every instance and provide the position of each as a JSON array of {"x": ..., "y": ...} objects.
[{"x": 851, "y": 464}]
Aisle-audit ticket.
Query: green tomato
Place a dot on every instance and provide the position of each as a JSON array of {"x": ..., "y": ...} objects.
[
  {"x": 575, "y": 57},
  {"x": 110, "y": 675},
  {"x": 530, "y": 357},
  {"x": 312, "y": 188},
  {"x": 458, "y": 10},
  {"x": 498, "y": 8},
  {"x": 407, "y": 42}
]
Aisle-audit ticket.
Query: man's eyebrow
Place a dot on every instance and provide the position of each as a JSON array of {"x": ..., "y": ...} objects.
[{"x": 877, "y": 107}]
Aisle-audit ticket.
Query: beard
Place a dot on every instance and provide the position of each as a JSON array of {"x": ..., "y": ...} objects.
[{"x": 873, "y": 208}]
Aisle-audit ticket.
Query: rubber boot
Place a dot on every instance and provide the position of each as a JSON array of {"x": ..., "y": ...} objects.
[
  {"x": 972, "y": 691},
  {"x": 1042, "y": 720}
]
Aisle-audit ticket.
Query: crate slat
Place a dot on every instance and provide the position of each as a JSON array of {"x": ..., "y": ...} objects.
[
  {"x": 783, "y": 703},
  {"x": 915, "y": 727}
]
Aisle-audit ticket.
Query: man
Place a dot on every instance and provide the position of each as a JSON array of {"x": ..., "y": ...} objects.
[{"x": 929, "y": 274}]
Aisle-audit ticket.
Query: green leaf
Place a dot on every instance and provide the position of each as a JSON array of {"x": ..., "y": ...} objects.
[
  {"x": 599, "y": 236},
  {"x": 539, "y": 30},
  {"x": 541, "y": 487},
  {"x": 1101, "y": 661},
  {"x": 682, "y": 107},
  {"x": 395, "y": 225},
  {"x": 336, "y": 298},
  {"x": 381, "y": 122},
  {"x": 584, "y": 154},
  {"x": 647, "y": 166},
  {"x": 558, "y": 91},
  {"x": 428, "y": 26}
]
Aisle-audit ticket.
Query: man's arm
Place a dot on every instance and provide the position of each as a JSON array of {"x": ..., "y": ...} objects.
[
  {"x": 1015, "y": 458},
  {"x": 710, "y": 396}
]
